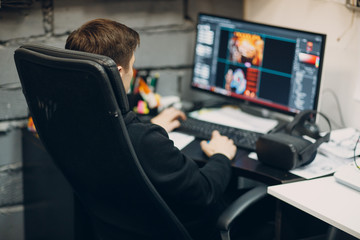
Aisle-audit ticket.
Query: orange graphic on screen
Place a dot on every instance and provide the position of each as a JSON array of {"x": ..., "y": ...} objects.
[
  {"x": 309, "y": 59},
  {"x": 246, "y": 48},
  {"x": 309, "y": 46}
]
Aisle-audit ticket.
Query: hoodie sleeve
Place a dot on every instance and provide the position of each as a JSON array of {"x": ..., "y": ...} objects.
[{"x": 176, "y": 176}]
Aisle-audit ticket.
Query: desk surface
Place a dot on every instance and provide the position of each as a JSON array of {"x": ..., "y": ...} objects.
[
  {"x": 245, "y": 166},
  {"x": 325, "y": 199}
]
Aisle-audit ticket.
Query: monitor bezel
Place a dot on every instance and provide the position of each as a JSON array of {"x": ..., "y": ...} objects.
[{"x": 254, "y": 102}]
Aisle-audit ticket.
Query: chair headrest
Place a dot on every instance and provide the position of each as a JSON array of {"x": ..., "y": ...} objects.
[{"x": 106, "y": 62}]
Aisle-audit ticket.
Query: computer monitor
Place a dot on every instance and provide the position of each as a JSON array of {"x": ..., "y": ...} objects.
[{"x": 273, "y": 67}]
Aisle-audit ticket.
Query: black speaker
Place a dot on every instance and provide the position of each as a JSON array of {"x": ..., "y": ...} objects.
[{"x": 291, "y": 148}]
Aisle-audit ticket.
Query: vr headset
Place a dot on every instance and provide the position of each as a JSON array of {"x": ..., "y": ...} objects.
[{"x": 290, "y": 149}]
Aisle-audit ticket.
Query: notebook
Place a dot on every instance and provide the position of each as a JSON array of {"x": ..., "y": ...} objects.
[{"x": 349, "y": 175}]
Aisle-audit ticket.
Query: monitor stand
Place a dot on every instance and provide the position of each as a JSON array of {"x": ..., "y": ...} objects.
[
  {"x": 185, "y": 106},
  {"x": 282, "y": 119},
  {"x": 256, "y": 111}
]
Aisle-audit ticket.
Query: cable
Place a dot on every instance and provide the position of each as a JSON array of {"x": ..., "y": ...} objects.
[
  {"x": 358, "y": 167},
  {"x": 348, "y": 28},
  {"x": 342, "y": 122}
]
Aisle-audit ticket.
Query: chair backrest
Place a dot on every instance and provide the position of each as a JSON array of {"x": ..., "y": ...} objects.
[{"x": 77, "y": 101}]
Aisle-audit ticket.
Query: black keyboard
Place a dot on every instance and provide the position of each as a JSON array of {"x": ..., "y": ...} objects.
[{"x": 202, "y": 129}]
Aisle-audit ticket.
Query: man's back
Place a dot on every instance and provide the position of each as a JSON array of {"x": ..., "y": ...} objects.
[{"x": 193, "y": 193}]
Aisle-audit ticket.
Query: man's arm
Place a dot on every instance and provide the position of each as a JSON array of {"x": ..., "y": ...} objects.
[{"x": 176, "y": 176}]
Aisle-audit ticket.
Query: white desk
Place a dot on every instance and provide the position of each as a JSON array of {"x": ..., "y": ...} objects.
[{"x": 325, "y": 199}]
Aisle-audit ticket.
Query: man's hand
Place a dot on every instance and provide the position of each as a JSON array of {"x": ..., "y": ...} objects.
[
  {"x": 219, "y": 144},
  {"x": 169, "y": 119}
]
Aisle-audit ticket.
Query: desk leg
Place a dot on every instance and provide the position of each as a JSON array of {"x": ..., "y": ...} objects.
[
  {"x": 282, "y": 227},
  {"x": 337, "y": 234},
  {"x": 292, "y": 223}
]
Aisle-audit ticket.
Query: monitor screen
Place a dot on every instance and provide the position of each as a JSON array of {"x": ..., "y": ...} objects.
[{"x": 273, "y": 67}]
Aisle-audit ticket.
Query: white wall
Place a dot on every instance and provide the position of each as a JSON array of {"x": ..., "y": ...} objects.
[{"x": 341, "y": 70}]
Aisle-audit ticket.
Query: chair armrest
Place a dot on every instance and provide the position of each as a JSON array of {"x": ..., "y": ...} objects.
[{"x": 239, "y": 206}]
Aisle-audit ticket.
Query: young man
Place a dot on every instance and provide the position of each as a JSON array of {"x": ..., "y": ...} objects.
[{"x": 193, "y": 193}]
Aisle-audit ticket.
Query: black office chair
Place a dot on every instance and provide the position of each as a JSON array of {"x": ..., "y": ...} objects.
[{"x": 77, "y": 100}]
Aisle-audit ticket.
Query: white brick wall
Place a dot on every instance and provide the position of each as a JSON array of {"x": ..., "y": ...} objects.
[
  {"x": 167, "y": 43},
  {"x": 167, "y": 39}
]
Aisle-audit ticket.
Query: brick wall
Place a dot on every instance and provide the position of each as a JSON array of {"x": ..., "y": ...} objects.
[{"x": 167, "y": 31}]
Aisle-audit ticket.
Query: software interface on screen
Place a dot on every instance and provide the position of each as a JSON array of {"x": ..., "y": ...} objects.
[{"x": 273, "y": 67}]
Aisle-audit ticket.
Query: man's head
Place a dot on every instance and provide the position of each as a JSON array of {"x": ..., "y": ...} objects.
[{"x": 109, "y": 38}]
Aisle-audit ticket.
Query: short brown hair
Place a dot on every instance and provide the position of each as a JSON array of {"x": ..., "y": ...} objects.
[{"x": 105, "y": 37}]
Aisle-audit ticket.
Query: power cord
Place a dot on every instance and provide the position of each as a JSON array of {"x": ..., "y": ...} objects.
[
  {"x": 342, "y": 122},
  {"x": 348, "y": 28},
  {"x": 355, "y": 161}
]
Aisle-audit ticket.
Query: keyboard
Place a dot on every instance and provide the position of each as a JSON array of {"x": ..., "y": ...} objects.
[{"x": 202, "y": 129}]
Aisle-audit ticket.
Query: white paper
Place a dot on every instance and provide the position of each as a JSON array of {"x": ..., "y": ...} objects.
[
  {"x": 234, "y": 117},
  {"x": 342, "y": 143},
  {"x": 181, "y": 140},
  {"x": 321, "y": 166}
]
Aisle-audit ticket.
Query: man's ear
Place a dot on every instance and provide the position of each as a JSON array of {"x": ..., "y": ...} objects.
[{"x": 120, "y": 70}]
